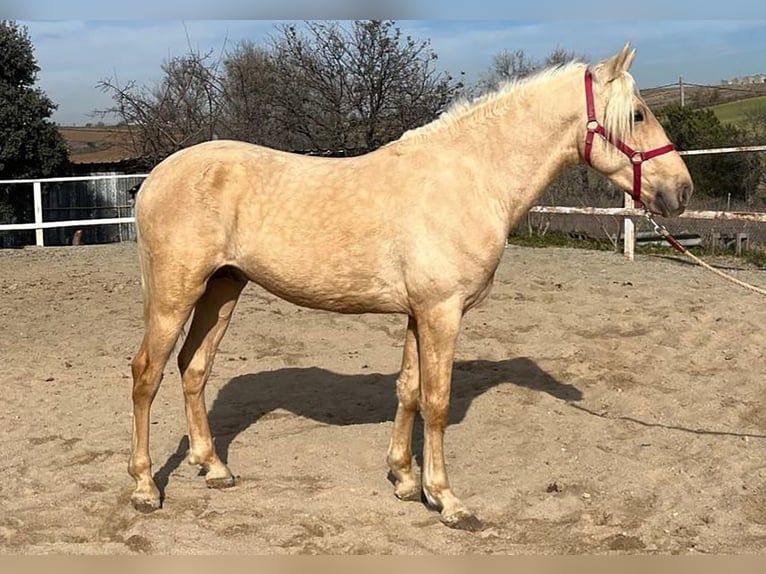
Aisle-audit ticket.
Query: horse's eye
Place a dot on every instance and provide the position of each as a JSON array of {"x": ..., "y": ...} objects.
[{"x": 638, "y": 116}]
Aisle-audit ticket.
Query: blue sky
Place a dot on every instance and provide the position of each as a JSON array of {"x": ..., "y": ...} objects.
[{"x": 75, "y": 54}]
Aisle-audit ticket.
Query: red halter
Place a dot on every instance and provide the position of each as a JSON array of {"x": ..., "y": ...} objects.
[{"x": 595, "y": 127}]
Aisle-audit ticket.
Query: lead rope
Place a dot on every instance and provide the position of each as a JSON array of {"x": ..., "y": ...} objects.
[{"x": 661, "y": 230}]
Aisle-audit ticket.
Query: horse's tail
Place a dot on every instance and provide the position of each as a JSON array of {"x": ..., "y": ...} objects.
[
  {"x": 144, "y": 267},
  {"x": 143, "y": 259}
]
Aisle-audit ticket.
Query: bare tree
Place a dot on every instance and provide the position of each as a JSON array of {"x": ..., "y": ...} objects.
[
  {"x": 358, "y": 88},
  {"x": 313, "y": 86},
  {"x": 184, "y": 108},
  {"x": 396, "y": 86},
  {"x": 559, "y": 56},
  {"x": 507, "y": 66},
  {"x": 249, "y": 110},
  {"x": 322, "y": 87}
]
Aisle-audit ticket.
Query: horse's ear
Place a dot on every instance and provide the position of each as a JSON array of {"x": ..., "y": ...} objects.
[
  {"x": 629, "y": 58},
  {"x": 617, "y": 64}
]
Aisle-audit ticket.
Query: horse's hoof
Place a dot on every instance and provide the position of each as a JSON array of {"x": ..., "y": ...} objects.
[
  {"x": 463, "y": 520},
  {"x": 145, "y": 505},
  {"x": 408, "y": 492},
  {"x": 220, "y": 482}
]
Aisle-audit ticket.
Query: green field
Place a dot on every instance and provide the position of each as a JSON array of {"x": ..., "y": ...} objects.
[{"x": 736, "y": 112}]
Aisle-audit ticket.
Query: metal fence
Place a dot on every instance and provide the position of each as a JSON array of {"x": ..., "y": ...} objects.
[
  {"x": 109, "y": 198},
  {"x": 100, "y": 205}
]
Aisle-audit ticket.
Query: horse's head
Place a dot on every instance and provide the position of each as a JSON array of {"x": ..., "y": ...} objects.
[{"x": 625, "y": 141}]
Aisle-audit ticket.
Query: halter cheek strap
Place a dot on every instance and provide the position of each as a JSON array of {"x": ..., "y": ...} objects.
[{"x": 594, "y": 127}]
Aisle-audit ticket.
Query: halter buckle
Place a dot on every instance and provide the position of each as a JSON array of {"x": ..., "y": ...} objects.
[{"x": 637, "y": 158}]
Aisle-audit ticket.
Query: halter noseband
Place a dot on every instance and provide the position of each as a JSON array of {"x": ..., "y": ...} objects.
[{"x": 635, "y": 156}]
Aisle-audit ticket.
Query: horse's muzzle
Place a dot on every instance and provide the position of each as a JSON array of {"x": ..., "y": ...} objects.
[{"x": 670, "y": 202}]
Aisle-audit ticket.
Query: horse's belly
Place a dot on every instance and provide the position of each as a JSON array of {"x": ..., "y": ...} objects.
[{"x": 348, "y": 292}]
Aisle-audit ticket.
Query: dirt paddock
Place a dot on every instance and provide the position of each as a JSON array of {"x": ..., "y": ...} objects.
[{"x": 599, "y": 406}]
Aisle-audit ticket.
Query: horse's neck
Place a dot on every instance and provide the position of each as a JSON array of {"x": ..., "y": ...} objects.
[{"x": 530, "y": 144}]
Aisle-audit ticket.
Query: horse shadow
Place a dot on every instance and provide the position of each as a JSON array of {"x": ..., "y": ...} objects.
[{"x": 355, "y": 399}]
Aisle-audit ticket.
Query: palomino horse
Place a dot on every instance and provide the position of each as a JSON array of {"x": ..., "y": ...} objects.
[{"x": 416, "y": 227}]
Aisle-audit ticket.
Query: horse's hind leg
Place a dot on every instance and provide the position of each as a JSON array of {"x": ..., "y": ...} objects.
[
  {"x": 211, "y": 318},
  {"x": 164, "y": 324},
  {"x": 400, "y": 448}
]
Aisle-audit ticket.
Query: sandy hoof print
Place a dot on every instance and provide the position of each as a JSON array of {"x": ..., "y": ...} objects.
[
  {"x": 220, "y": 482},
  {"x": 463, "y": 521},
  {"x": 144, "y": 505}
]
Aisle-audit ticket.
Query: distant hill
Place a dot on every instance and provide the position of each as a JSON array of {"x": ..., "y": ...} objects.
[
  {"x": 730, "y": 103},
  {"x": 97, "y": 145},
  {"x": 702, "y": 96}
]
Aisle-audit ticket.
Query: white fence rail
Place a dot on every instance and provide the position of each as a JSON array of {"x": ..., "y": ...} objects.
[{"x": 628, "y": 211}]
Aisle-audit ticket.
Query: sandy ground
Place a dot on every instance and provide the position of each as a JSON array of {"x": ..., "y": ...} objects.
[{"x": 599, "y": 406}]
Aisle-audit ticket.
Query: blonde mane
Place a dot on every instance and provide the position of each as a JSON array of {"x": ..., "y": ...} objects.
[
  {"x": 618, "y": 114},
  {"x": 490, "y": 104}
]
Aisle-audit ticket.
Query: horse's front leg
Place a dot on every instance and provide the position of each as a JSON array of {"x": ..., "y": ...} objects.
[
  {"x": 407, "y": 390},
  {"x": 437, "y": 332}
]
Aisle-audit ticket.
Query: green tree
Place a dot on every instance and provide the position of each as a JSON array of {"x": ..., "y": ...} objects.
[
  {"x": 714, "y": 175},
  {"x": 30, "y": 144}
]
